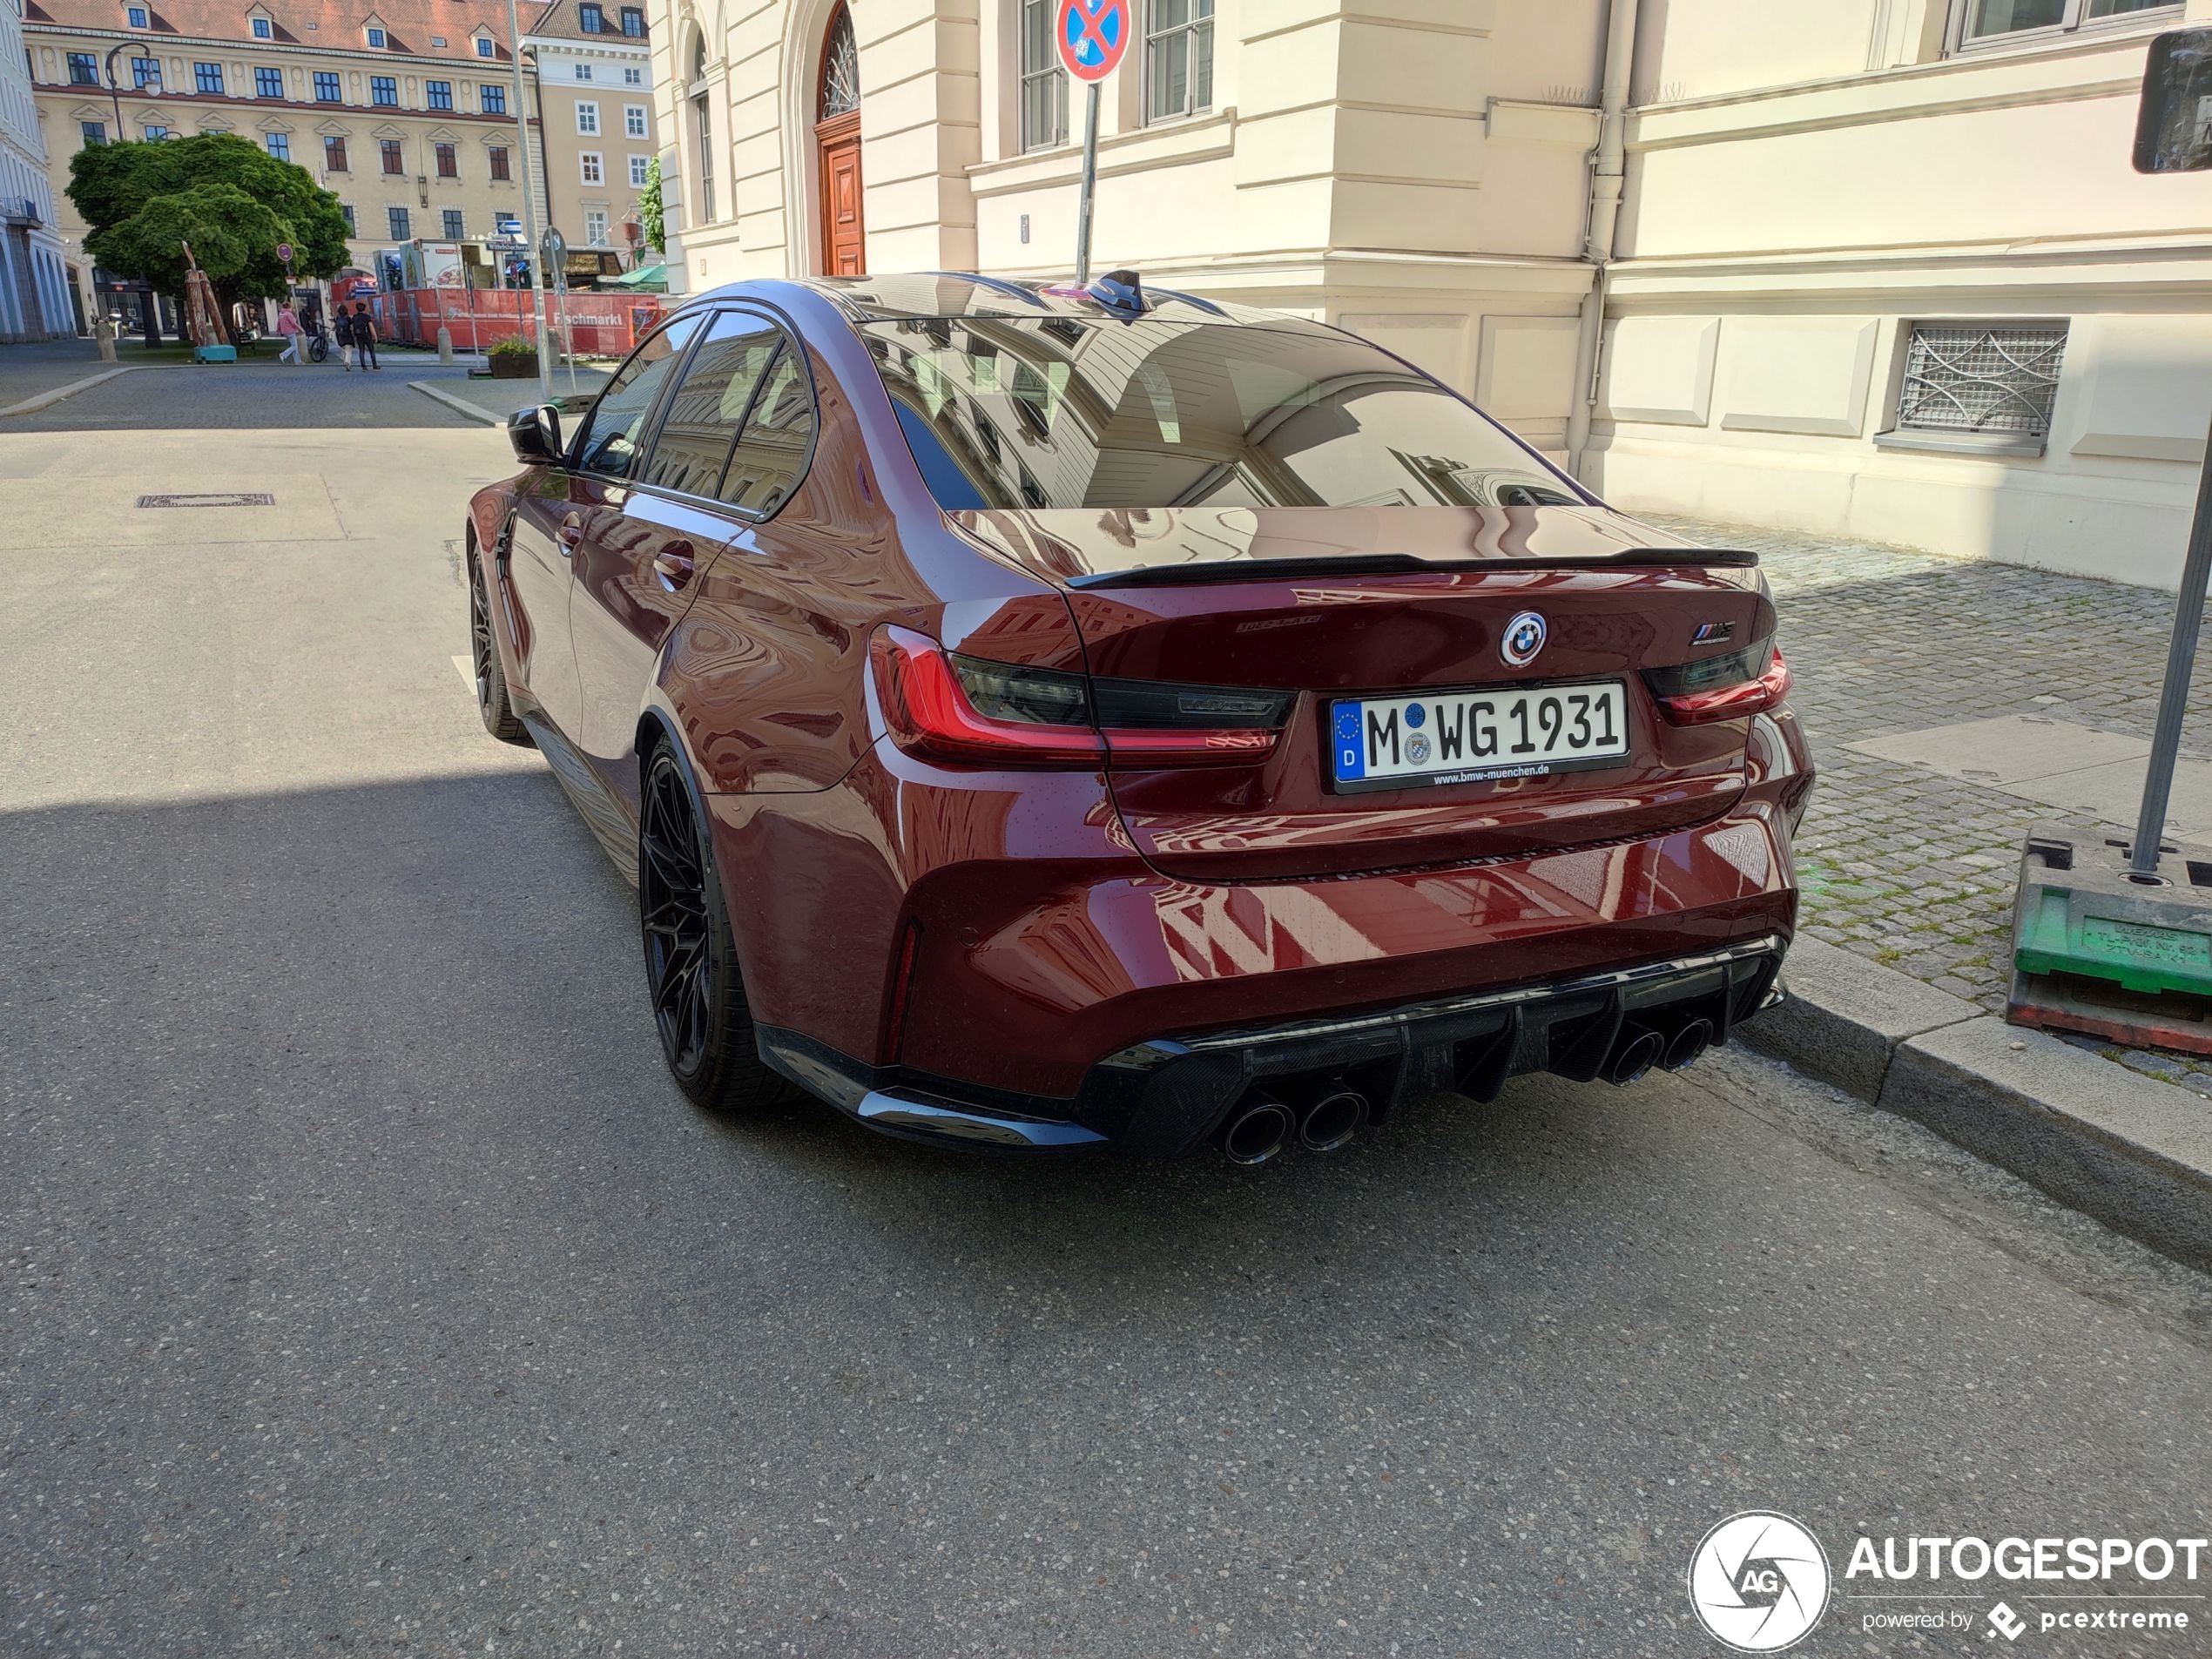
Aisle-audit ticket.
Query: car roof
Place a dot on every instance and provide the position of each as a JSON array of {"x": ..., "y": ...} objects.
[{"x": 918, "y": 295}]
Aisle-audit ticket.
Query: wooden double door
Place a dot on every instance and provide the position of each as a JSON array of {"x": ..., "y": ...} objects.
[{"x": 844, "y": 235}]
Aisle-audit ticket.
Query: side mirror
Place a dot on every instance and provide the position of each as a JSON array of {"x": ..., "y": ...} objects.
[{"x": 536, "y": 434}]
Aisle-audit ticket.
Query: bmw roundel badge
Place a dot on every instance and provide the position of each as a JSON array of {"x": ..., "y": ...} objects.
[{"x": 1524, "y": 638}]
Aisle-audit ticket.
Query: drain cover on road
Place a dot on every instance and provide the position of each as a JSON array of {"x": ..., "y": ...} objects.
[{"x": 222, "y": 498}]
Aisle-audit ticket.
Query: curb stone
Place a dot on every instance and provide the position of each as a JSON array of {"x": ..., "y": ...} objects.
[
  {"x": 32, "y": 405},
  {"x": 2132, "y": 1151},
  {"x": 459, "y": 405}
]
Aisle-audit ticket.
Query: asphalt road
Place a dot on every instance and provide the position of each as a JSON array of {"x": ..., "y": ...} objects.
[{"x": 368, "y": 1290}]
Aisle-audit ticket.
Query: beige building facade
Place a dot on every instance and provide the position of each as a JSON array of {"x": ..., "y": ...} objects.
[
  {"x": 589, "y": 70},
  {"x": 1874, "y": 267},
  {"x": 1884, "y": 269},
  {"x": 1413, "y": 169},
  {"x": 403, "y": 108}
]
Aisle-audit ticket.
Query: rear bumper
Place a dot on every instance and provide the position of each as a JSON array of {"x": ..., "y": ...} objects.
[{"x": 1168, "y": 1096}]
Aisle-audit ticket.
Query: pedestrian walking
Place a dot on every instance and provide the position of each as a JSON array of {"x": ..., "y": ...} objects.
[
  {"x": 364, "y": 329},
  {"x": 288, "y": 331}
]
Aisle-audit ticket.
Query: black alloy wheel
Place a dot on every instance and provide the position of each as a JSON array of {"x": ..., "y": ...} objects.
[
  {"x": 492, "y": 701},
  {"x": 700, "y": 1004},
  {"x": 671, "y": 899}
]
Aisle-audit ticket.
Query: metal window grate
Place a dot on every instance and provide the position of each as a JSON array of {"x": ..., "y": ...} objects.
[
  {"x": 1959, "y": 378},
  {"x": 222, "y": 498}
]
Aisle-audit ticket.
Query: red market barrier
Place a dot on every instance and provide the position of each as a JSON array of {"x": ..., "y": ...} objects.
[{"x": 599, "y": 324}]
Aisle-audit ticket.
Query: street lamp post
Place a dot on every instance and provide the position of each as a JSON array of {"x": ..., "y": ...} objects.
[{"x": 115, "y": 87}]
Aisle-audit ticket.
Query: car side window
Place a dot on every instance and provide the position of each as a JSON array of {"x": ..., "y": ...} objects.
[
  {"x": 708, "y": 405},
  {"x": 772, "y": 450},
  {"x": 610, "y": 438}
]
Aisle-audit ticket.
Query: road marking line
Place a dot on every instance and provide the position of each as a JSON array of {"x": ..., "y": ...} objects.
[{"x": 467, "y": 670}]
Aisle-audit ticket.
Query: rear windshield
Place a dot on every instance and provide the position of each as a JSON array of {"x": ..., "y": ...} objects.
[{"x": 1061, "y": 413}]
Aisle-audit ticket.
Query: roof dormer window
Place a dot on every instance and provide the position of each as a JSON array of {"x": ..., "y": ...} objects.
[
  {"x": 263, "y": 30},
  {"x": 138, "y": 16},
  {"x": 484, "y": 46},
  {"x": 375, "y": 38}
]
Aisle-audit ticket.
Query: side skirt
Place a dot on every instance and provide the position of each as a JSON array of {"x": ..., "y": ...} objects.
[{"x": 609, "y": 820}]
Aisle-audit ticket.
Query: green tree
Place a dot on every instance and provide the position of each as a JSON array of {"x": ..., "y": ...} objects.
[
  {"x": 230, "y": 199},
  {"x": 649, "y": 214}
]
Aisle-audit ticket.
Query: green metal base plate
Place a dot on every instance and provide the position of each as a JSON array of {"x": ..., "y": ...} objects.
[{"x": 2080, "y": 912}]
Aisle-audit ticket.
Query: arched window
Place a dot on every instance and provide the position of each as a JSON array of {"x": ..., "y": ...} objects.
[
  {"x": 840, "y": 88},
  {"x": 703, "y": 123}
]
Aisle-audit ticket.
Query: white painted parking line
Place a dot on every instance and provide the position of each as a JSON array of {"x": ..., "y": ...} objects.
[{"x": 467, "y": 668}]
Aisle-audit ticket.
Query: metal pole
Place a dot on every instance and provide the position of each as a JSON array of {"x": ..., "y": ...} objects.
[
  {"x": 1090, "y": 186},
  {"x": 2181, "y": 665},
  {"x": 529, "y": 207}
]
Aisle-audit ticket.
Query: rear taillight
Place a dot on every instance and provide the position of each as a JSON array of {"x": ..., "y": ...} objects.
[
  {"x": 967, "y": 711},
  {"x": 1722, "y": 688}
]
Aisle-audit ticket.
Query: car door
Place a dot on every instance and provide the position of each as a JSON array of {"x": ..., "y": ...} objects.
[
  {"x": 635, "y": 574},
  {"x": 559, "y": 508}
]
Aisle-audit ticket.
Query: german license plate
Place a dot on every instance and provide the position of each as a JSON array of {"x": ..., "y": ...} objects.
[{"x": 1474, "y": 736}]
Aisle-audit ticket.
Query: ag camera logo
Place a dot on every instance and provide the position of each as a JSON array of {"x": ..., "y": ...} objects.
[{"x": 1759, "y": 1581}]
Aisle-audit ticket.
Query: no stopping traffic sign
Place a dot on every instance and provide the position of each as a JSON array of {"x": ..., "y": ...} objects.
[{"x": 1091, "y": 36}]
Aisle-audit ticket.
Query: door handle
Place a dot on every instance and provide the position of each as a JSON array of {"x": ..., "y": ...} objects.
[
  {"x": 674, "y": 565},
  {"x": 571, "y": 535}
]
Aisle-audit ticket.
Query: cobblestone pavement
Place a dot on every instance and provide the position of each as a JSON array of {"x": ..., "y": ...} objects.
[
  {"x": 40, "y": 365},
  {"x": 1903, "y": 864},
  {"x": 263, "y": 393}
]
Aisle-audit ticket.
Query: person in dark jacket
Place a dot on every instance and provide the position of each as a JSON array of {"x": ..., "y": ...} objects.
[{"x": 364, "y": 332}]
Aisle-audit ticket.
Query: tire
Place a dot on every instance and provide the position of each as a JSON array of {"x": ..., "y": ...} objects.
[
  {"x": 320, "y": 352},
  {"x": 692, "y": 972},
  {"x": 483, "y": 654}
]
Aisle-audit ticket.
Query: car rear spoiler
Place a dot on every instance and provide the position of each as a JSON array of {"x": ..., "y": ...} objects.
[{"x": 1206, "y": 570}]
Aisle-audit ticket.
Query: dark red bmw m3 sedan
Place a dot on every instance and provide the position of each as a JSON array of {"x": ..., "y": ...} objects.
[{"x": 1047, "y": 717}]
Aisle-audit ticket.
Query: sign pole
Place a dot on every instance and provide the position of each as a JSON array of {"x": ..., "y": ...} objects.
[
  {"x": 2173, "y": 696},
  {"x": 1090, "y": 186},
  {"x": 529, "y": 206},
  {"x": 1090, "y": 36}
]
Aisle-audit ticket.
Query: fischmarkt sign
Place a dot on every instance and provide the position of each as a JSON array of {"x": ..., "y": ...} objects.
[{"x": 1761, "y": 1581}]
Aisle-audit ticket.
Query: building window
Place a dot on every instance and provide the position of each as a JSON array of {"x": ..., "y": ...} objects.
[
  {"x": 384, "y": 91},
  {"x": 448, "y": 160},
  {"x": 208, "y": 77},
  {"x": 146, "y": 72},
  {"x": 1962, "y": 377},
  {"x": 327, "y": 88},
  {"x": 396, "y": 220},
  {"x": 1178, "y": 59},
  {"x": 84, "y": 70},
  {"x": 390, "y": 148},
  {"x": 641, "y": 169},
  {"x": 595, "y": 226},
  {"x": 333, "y": 155},
  {"x": 594, "y": 167},
  {"x": 587, "y": 118},
  {"x": 437, "y": 95},
  {"x": 280, "y": 144},
  {"x": 451, "y": 218},
  {"x": 262, "y": 31},
  {"x": 583, "y": 71},
  {"x": 155, "y": 135},
  {"x": 346, "y": 209},
  {"x": 376, "y": 40},
  {"x": 496, "y": 154},
  {"x": 1979, "y": 22},
  {"x": 484, "y": 46},
  {"x": 633, "y": 22},
  {"x": 137, "y": 15},
  {"x": 633, "y": 120},
  {"x": 268, "y": 82},
  {"x": 94, "y": 132},
  {"x": 591, "y": 19},
  {"x": 493, "y": 98},
  {"x": 1044, "y": 84},
  {"x": 633, "y": 77}
]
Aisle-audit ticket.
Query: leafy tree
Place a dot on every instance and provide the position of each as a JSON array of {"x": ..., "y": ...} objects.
[
  {"x": 230, "y": 199},
  {"x": 650, "y": 213}
]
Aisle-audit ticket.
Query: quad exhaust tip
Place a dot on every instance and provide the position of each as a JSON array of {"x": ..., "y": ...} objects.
[
  {"x": 1258, "y": 1133},
  {"x": 1332, "y": 1120},
  {"x": 1688, "y": 1043},
  {"x": 1639, "y": 1051}
]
